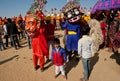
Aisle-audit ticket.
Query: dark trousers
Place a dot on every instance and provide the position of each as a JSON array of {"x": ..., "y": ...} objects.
[
  {"x": 6, "y": 40},
  {"x": 15, "y": 41}
]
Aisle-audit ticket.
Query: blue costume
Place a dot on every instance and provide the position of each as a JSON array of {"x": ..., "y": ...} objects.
[
  {"x": 72, "y": 16},
  {"x": 73, "y": 35}
]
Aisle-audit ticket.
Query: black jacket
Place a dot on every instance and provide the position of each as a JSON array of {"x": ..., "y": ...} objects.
[{"x": 12, "y": 28}]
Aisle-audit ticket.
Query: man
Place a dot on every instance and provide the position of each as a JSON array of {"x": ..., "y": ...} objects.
[{"x": 13, "y": 33}]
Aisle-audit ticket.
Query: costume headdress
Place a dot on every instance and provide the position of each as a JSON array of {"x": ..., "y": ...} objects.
[
  {"x": 37, "y": 8},
  {"x": 35, "y": 16},
  {"x": 71, "y": 4}
]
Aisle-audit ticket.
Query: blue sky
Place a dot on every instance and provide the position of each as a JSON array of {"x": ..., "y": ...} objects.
[{"x": 10, "y": 8}]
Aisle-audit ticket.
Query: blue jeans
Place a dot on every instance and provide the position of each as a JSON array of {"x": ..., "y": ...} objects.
[
  {"x": 87, "y": 67},
  {"x": 29, "y": 40},
  {"x": 1, "y": 43}
]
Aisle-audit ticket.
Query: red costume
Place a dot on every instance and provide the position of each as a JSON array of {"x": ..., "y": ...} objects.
[
  {"x": 103, "y": 27},
  {"x": 36, "y": 30},
  {"x": 50, "y": 31}
]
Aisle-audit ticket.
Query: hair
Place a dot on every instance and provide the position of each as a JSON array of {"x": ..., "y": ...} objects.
[
  {"x": 47, "y": 21},
  {"x": 56, "y": 41},
  {"x": 92, "y": 16},
  {"x": 85, "y": 30},
  {"x": 9, "y": 20}
]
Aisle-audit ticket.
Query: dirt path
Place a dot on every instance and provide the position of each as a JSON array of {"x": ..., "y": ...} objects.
[{"x": 17, "y": 65}]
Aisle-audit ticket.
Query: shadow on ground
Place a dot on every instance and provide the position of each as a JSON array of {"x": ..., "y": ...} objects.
[
  {"x": 116, "y": 57},
  {"x": 9, "y": 59}
]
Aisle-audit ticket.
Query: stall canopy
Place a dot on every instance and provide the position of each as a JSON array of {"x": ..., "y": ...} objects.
[{"x": 106, "y": 5}]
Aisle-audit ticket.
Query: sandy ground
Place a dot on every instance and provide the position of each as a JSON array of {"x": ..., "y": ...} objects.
[{"x": 17, "y": 65}]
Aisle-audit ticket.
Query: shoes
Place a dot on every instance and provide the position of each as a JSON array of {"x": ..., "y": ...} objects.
[
  {"x": 16, "y": 48},
  {"x": 37, "y": 67},
  {"x": 30, "y": 47},
  {"x": 48, "y": 60},
  {"x": 82, "y": 79},
  {"x": 5, "y": 48},
  {"x": 42, "y": 69},
  {"x": 20, "y": 46}
]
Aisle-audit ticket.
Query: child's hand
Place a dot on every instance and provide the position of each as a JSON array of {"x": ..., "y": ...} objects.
[{"x": 64, "y": 64}]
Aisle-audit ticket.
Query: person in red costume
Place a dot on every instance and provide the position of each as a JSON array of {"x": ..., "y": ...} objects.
[
  {"x": 50, "y": 33},
  {"x": 37, "y": 30},
  {"x": 104, "y": 31}
]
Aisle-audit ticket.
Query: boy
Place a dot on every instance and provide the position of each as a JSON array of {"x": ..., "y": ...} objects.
[
  {"x": 85, "y": 50},
  {"x": 58, "y": 58}
]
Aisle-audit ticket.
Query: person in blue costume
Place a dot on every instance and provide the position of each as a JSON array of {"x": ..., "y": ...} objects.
[{"x": 72, "y": 24}]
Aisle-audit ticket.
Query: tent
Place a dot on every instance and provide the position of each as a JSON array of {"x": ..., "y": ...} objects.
[{"x": 106, "y": 5}]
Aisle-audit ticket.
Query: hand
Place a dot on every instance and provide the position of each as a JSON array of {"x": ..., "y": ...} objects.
[{"x": 64, "y": 64}]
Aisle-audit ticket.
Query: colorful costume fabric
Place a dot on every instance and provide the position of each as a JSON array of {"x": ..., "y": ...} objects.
[
  {"x": 73, "y": 35},
  {"x": 36, "y": 29},
  {"x": 39, "y": 47},
  {"x": 43, "y": 41},
  {"x": 96, "y": 34},
  {"x": 116, "y": 40},
  {"x": 103, "y": 27},
  {"x": 72, "y": 15}
]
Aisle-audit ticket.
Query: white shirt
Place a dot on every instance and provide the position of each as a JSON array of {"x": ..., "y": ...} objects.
[
  {"x": 85, "y": 47},
  {"x": 57, "y": 49},
  {"x": 5, "y": 29}
]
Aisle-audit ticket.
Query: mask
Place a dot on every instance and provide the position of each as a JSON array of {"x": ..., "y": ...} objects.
[
  {"x": 73, "y": 15},
  {"x": 31, "y": 26}
]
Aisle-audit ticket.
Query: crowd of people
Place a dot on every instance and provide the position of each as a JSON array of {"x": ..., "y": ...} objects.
[{"x": 100, "y": 31}]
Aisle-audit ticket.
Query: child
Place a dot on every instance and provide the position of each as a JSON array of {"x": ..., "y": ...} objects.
[
  {"x": 58, "y": 58},
  {"x": 85, "y": 50}
]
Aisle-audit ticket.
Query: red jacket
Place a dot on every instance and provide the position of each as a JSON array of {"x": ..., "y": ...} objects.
[{"x": 58, "y": 58}]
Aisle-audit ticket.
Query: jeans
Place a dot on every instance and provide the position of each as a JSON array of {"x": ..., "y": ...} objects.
[
  {"x": 6, "y": 40},
  {"x": 14, "y": 40},
  {"x": 29, "y": 41},
  {"x": 1, "y": 43},
  {"x": 87, "y": 67}
]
